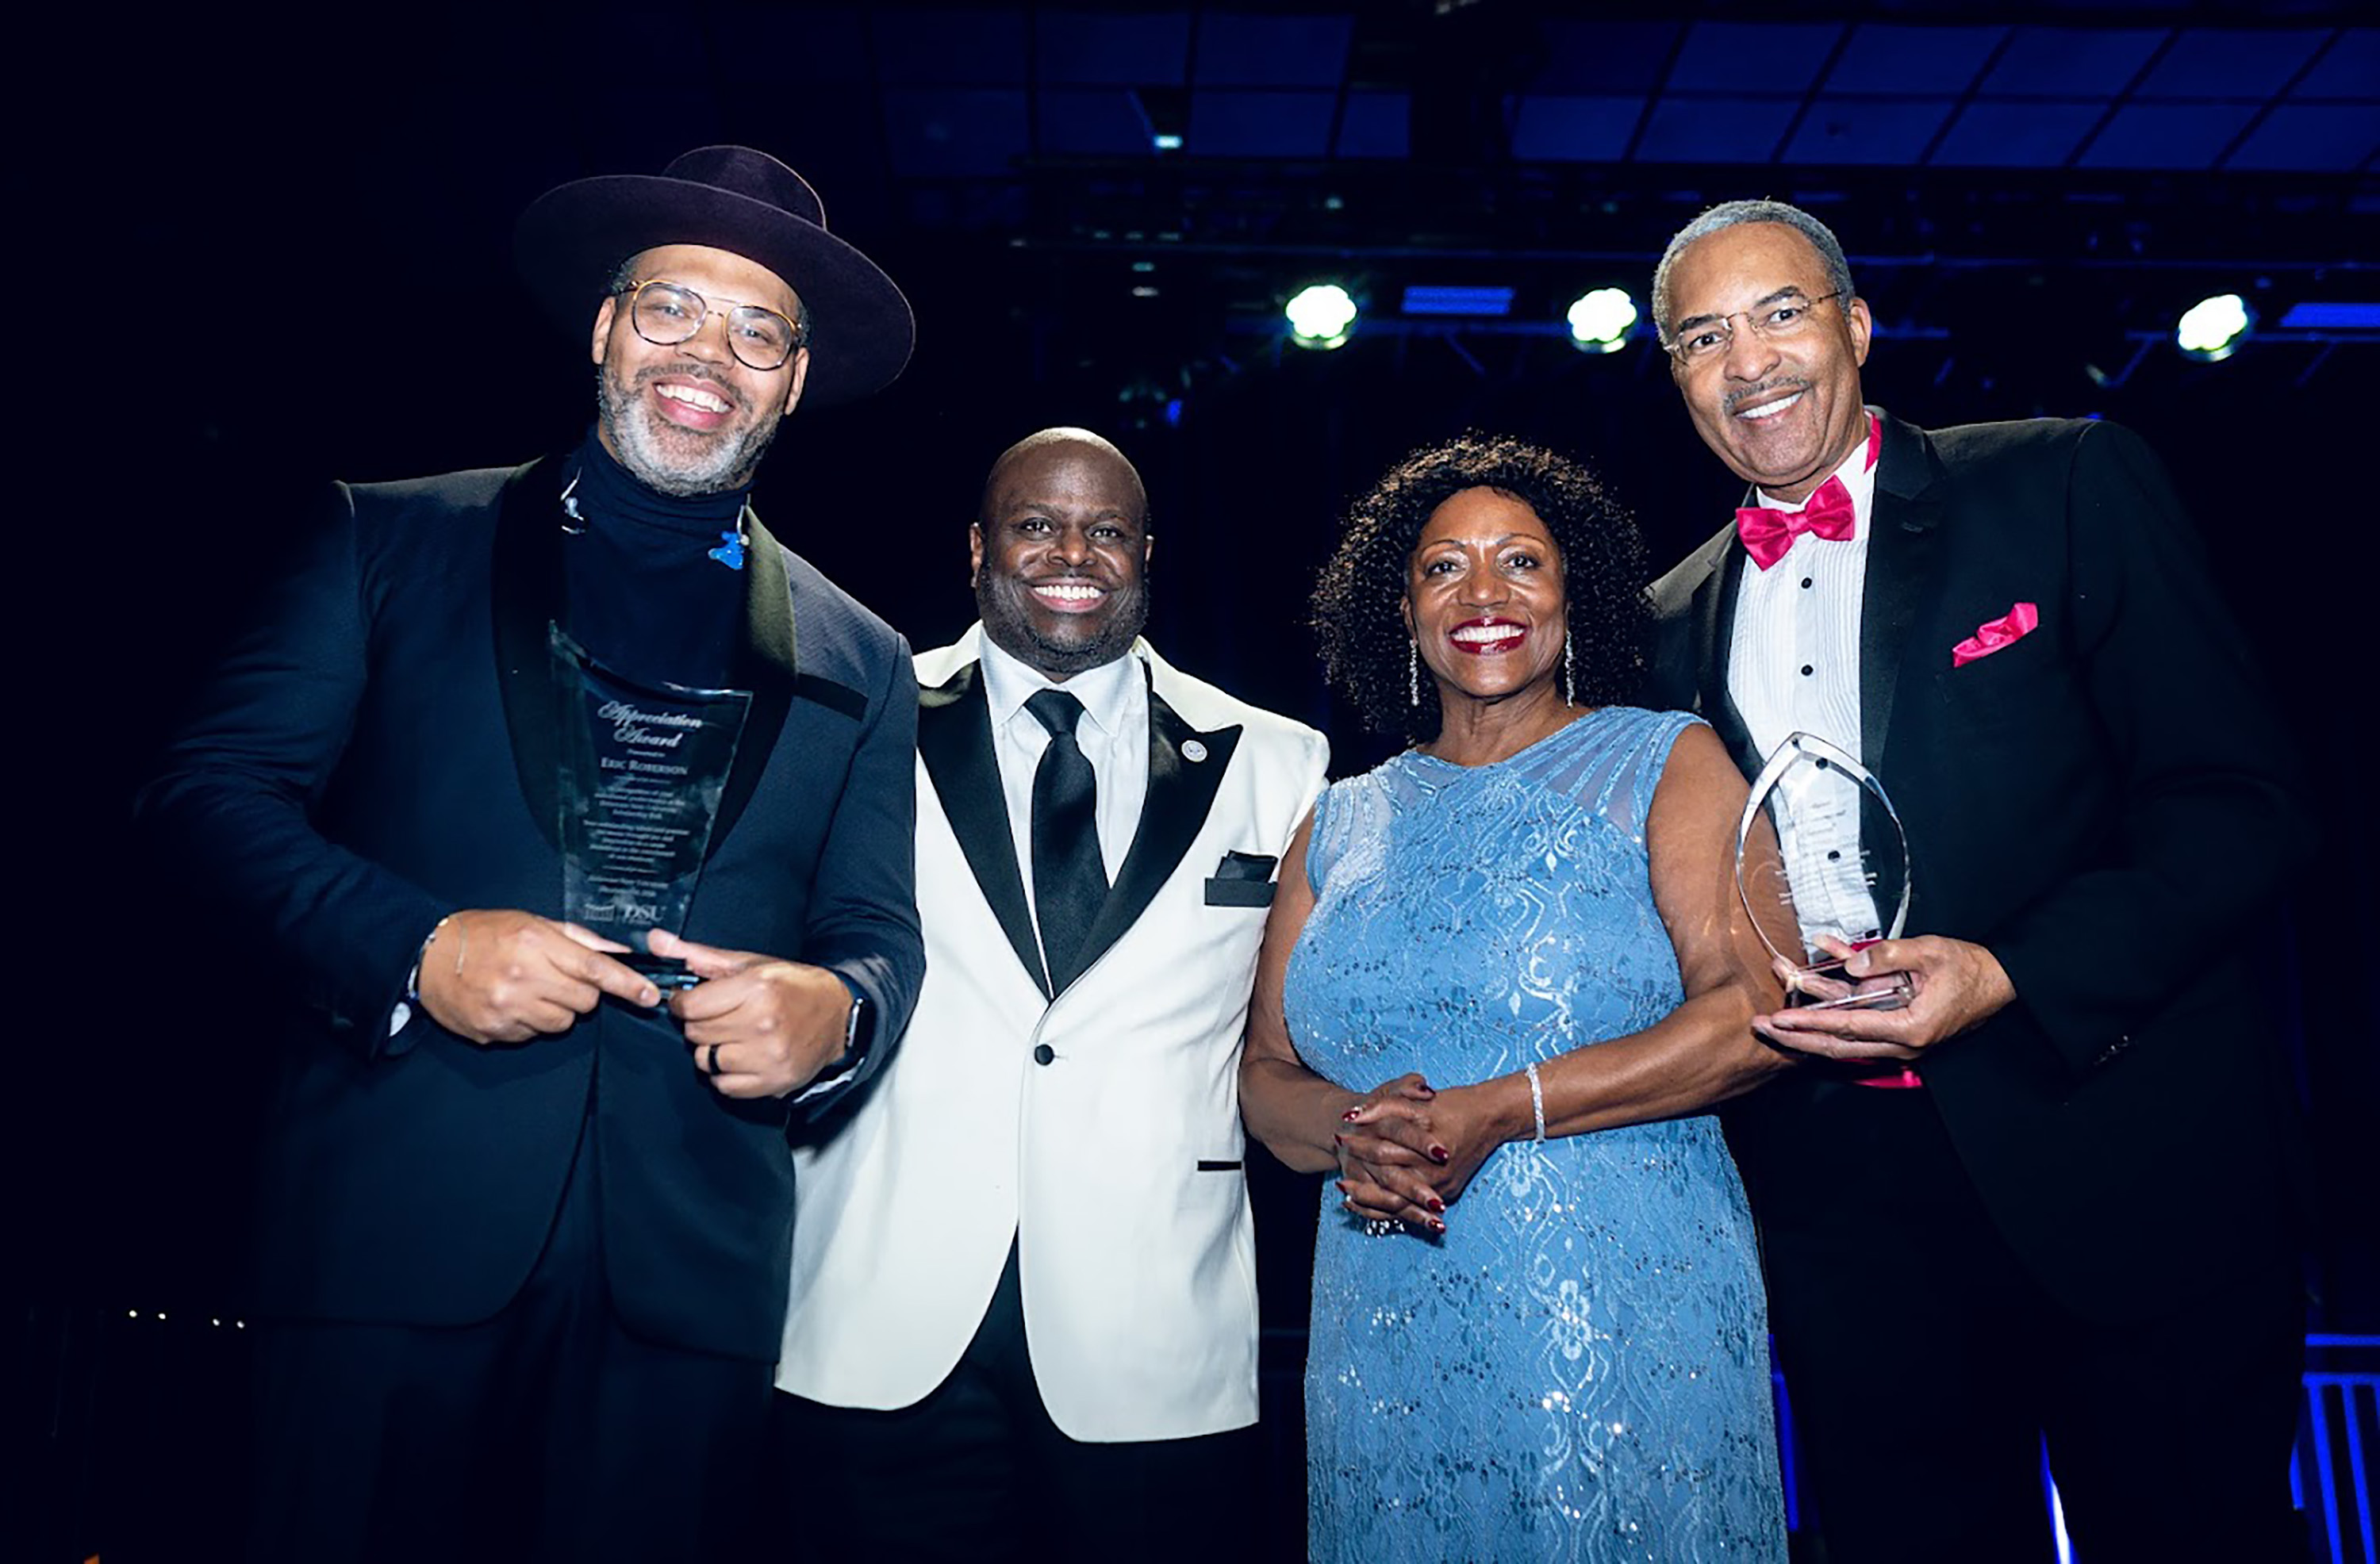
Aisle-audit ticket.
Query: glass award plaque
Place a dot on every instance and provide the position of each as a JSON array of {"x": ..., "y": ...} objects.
[
  {"x": 1820, "y": 854},
  {"x": 643, "y": 770}
]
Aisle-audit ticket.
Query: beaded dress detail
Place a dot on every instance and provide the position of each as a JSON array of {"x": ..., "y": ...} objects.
[{"x": 1578, "y": 1369}]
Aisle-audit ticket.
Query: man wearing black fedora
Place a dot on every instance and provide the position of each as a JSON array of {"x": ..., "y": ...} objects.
[{"x": 528, "y": 1205}]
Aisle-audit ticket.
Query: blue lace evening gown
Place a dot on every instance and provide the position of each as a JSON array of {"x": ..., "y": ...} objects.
[{"x": 1579, "y": 1368}]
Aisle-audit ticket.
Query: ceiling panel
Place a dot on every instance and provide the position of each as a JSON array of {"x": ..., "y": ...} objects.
[
  {"x": 2167, "y": 135},
  {"x": 1593, "y": 59},
  {"x": 2073, "y": 62},
  {"x": 1228, "y": 124},
  {"x": 2312, "y": 135},
  {"x": 1132, "y": 51},
  {"x": 2231, "y": 62},
  {"x": 1999, "y": 134},
  {"x": 2349, "y": 68},
  {"x": 1917, "y": 61},
  {"x": 1244, "y": 51},
  {"x": 1754, "y": 56},
  {"x": 1717, "y": 129},
  {"x": 1376, "y": 125},
  {"x": 1867, "y": 130},
  {"x": 1574, "y": 129},
  {"x": 1091, "y": 122}
]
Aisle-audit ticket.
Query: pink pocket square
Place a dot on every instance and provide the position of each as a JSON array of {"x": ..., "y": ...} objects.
[{"x": 2005, "y": 631}]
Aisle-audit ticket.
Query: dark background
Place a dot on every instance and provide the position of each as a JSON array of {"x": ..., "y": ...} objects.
[{"x": 307, "y": 275}]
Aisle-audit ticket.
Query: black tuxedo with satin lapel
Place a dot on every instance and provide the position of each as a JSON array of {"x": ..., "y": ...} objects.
[
  {"x": 2090, "y": 1197},
  {"x": 2108, "y": 805},
  {"x": 384, "y": 751}
]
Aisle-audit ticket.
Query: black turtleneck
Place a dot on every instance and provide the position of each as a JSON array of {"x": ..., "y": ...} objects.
[{"x": 644, "y": 596}]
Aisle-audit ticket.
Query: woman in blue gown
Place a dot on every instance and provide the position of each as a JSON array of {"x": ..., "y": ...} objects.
[{"x": 1506, "y": 976}]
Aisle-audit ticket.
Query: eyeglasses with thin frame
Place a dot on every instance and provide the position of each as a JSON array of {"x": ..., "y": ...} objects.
[
  {"x": 668, "y": 313},
  {"x": 1707, "y": 340}
]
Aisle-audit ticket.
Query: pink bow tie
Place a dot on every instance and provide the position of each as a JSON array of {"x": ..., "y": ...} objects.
[{"x": 1768, "y": 534}]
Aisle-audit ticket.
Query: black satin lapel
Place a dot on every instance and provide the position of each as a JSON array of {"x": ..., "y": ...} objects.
[
  {"x": 1181, "y": 791},
  {"x": 765, "y": 665},
  {"x": 955, "y": 741},
  {"x": 1903, "y": 560},
  {"x": 525, "y": 591},
  {"x": 1715, "y": 619}
]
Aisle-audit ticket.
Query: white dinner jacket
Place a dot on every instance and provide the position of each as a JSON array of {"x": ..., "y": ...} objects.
[{"x": 1100, "y": 1127}]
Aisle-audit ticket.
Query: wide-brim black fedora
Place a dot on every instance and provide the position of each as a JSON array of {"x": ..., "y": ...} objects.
[{"x": 573, "y": 238}]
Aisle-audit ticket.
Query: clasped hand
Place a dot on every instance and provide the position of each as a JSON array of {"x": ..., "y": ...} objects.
[
  {"x": 768, "y": 1025},
  {"x": 762, "y": 1026},
  {"x": 1407, "y": 1152},
  {"x": 506, "y": 975}
]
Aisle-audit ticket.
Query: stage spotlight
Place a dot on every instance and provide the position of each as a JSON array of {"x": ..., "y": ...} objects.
[
  {"x": 1599, "y": 322},
  {"x": 1320, "y": 316},
  {"x": 2213, "y": 328}
]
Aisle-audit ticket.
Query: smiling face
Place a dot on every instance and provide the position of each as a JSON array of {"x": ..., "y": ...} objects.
[
  {"x": 690, "y": 418},
  {"x": 1782, "y": 413},
  {"x": 1061, "y": 555},
  {"x": 1484, "y": 597}
]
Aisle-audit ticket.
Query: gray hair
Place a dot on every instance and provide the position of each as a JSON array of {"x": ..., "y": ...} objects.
[{"x": 1727, "y": 214}]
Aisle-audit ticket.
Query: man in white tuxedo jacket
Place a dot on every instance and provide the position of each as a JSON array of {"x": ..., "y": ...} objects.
[{"x": 1024, "y": 1318}]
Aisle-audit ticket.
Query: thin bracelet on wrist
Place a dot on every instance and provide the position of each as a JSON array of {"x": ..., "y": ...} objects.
[{"x": 1536, "y": 1097}]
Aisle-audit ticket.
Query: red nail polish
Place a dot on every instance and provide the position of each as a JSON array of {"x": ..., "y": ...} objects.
[
  {"x": 1437, "y": 1205},
  {"x": 1438, "y": 1153},
  {"x": 1436, "y": 1226},
  {"x": 1338, "y": 1140},
  {"x": 1349, "y": 1117}
]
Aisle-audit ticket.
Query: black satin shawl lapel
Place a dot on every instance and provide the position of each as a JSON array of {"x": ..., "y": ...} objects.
[
  {"x": 1715, "y": 628},
  {"x": 1903, "y": 562},
  {"x": 954, "y": 741},
  {"x": 526, "y": 594},
  {"x": 1181, "y": 791},
  {"x": 525, "y": 591},
  {"x": 765, "y": 665}
]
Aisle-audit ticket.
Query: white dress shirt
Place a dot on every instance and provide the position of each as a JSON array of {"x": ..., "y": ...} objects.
[
  {"x": 1113, "y": 734},
  {"x": 1793, "y": 666}
]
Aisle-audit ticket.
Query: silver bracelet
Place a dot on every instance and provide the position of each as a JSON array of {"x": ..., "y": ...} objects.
[{"x": 1536, "y": 1097}]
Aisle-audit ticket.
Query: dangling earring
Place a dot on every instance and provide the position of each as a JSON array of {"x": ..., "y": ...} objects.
[
  {"x": 1569, "y": 675},
  {"x": 1413, "y": 674}
]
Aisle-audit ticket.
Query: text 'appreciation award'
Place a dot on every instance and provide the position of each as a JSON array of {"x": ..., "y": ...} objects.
[
  {"x": 1819, "y": 853},
  {"x": 643, "y": 770}
]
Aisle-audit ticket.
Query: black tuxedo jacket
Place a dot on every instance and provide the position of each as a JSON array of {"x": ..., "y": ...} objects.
[
  {"x": 2108, "y": 805},
  {"x": 384, "y": 751}
]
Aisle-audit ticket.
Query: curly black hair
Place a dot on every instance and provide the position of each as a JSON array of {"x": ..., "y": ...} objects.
[{"x": 1358, "y": 600}]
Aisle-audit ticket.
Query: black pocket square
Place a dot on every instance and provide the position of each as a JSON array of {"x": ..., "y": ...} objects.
[{"x": 1241, "y": 880}]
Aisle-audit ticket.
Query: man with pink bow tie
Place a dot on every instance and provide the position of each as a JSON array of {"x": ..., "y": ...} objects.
[{"x": 2049, "y": 1194}]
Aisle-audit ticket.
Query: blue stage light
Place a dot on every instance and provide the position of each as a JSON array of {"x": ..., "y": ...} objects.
[
  {"x": 2311, "y": 315},
  {"x": 1442, "y": 300}
]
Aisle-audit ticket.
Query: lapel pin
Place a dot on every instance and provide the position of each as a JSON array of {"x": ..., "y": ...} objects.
[{"x": 1193, "y": 751}]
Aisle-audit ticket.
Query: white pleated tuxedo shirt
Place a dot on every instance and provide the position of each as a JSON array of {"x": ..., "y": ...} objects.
[{"x": 1793, "y": 666}]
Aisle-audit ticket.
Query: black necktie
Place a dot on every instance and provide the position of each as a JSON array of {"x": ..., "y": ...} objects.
[{"x": 1069, "y": 881}]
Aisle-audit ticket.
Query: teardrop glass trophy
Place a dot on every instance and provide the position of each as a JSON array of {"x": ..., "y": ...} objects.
[{"x": 1820, "y": 854}]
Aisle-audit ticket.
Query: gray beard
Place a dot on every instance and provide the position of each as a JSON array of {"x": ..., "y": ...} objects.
[{"x": 652, "y": 454}]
